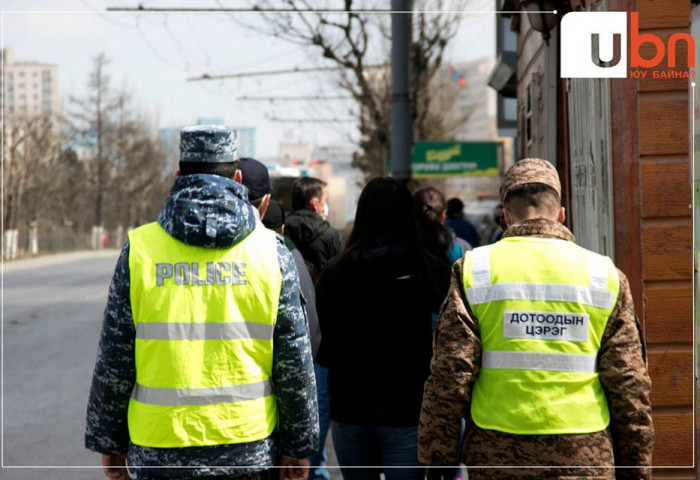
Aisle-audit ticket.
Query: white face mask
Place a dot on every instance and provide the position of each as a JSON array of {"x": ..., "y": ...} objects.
[{"x": 325, "y": 211}]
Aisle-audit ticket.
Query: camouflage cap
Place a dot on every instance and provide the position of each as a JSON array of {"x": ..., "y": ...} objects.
[
  {"x": 208, "y": 144},
  {"x": 530, "y": 170}
]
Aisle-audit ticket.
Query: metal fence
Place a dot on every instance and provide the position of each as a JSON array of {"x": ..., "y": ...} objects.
[{"x": 32, "y": 241}]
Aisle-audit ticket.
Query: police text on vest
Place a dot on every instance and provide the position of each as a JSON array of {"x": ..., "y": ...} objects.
[{"x": 215, "y": 273}]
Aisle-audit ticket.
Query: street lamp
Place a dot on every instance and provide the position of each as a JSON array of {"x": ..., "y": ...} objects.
[{"x": 540, "y": 16}]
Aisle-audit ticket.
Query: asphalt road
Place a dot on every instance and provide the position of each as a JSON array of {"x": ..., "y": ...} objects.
[{"x": 52, "y": 315}]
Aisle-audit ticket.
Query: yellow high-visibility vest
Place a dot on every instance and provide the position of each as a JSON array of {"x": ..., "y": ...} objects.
[
  {"x": 542, "y": 305},
  {"x": 204, "y": 322}
]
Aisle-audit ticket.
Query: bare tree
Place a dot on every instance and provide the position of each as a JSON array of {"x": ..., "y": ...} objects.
[
  {"x": 137, "y": 175},
  {"x": 353, "y": 41},
  {"x": 94, "y": 124},
  {"x": 31, "y": 147},
  {"x": 100, "y": 165},
  {"x": 124, "y": 163},
  {"x": 69, "y": 183}
]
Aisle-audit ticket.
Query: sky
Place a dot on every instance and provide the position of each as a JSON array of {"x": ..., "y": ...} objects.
[{"x": 152, "y": 55}]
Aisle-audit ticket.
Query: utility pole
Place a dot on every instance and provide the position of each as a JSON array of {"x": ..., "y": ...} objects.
[{"x": 401, "y": 128}]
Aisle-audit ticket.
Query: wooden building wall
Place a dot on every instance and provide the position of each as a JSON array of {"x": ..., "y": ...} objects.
[
  {"x": 653, "y": 215},
  {"x": 652, "y": 210},
  {"x": 537, "y": 84}
]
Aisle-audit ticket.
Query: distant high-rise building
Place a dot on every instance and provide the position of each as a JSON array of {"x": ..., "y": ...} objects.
[
  {"x": 477, "y": 101},
  {"x": 475, "y": 120},
  {"x": 28, "y": 89}
]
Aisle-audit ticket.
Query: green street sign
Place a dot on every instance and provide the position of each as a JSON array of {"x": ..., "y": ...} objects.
[{"x": 455, "y": 159}]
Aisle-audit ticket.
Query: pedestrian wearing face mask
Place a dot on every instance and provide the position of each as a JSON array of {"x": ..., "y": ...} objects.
[
  {"x": 307, "y": 226},
  {"x": 318, "y": 242}
]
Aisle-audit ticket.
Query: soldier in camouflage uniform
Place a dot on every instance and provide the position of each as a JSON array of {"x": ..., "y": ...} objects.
[
  {"x": 627, "y": 442},
  {"x": 212, "y": 211}
]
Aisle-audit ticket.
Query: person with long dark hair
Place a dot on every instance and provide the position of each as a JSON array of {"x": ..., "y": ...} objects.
[
  {"x": 375, "y": 302},
  {"x": 439, "y": 240}
]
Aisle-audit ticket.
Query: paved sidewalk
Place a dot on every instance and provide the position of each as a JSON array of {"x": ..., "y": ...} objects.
[{"x": 56, "y": 259}]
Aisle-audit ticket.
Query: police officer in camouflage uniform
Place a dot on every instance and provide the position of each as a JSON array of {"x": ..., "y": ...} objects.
[
  {"x": 204, "y": 365},
  {"x": 538, "y": 346}
]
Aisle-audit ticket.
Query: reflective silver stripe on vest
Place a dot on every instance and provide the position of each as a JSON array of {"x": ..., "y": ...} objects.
[
  {"x": 203, "y": 331},
  {"x": 173, "y": 397},
  {"x": 481, "y": 267},
  {"x": 564, "y": 362},
  {"x": 595, "y": 295},
  {"x": 540, "y": 291},
  {"x": 599, "y": 268}
]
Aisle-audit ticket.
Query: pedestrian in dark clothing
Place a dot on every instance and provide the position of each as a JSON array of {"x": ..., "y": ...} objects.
[
  {"x": 274, "y": 220},
  {"x": 438, "y": 239},
  {"x": 274, "y": 217},
  {"x": 307, "y": 225},
  {"x": 460, "y": 225},
  {"x": 256, "y": 179},
  {"x": 204, "y": 364},
  {"x": 375, "y": 302}
]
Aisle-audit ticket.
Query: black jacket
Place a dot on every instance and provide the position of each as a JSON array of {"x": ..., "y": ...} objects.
[
  {"x": 308, "y": 300},
  {"x": 314, "y": 237},
  {"x": 375, "y": 316}
]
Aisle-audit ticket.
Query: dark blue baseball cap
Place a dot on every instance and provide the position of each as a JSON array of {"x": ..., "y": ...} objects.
[{"x": 256, "y": 178}]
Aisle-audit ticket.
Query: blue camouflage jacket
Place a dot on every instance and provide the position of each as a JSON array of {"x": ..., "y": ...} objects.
[{"x": 213, "y": 212}]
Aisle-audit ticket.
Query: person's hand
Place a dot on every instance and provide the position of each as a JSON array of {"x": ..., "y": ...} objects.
[
  {"x": 114, "y": 466},
  {"x": 294, "y": 468}
]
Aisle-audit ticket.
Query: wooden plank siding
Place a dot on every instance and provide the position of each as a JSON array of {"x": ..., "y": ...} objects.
[
  {"x": 665, "y": 329},
  {"x": 667, "y": 252},
  {"x": 652, "y": 213},
  {"x": 661, "y": 175},
  {"x": 672, "y": 371},
  {"x": 657, "y": 14},
  {"x": 674, "y": 430},
  {"x": 663, "y": 122},
  {"x": 666, "y": 242}
]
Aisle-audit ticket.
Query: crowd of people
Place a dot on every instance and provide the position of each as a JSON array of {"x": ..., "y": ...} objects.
[
  {"x": 416, "y": 341},
  {"x": 401, "y": 246}
]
